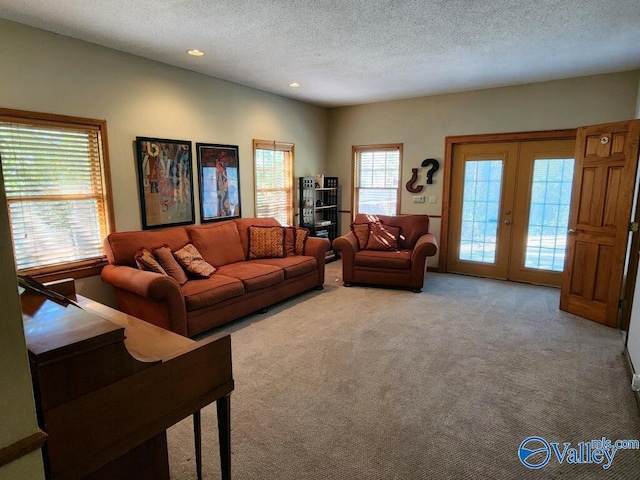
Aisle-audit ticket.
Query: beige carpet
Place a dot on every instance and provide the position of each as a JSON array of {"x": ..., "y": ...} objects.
[{"x": 366, "y": 384}]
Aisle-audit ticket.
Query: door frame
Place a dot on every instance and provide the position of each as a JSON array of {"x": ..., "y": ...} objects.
[{"x": 452, "y": 141}]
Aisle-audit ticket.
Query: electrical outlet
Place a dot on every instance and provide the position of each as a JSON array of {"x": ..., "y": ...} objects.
[
  {"x": 635, "y": 382},
  {"x": 418, "y": 199},
  {"x": 433, "y": 199}
]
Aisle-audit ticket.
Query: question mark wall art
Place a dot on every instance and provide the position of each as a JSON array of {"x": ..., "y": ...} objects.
[{"x": 429, "y": 162}]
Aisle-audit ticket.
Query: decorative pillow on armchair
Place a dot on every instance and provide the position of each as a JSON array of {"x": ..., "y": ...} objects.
[
  {"x": 382, "y": 237},
  {"x": 361, "y": 231},
  {"x": 189, "y": 257},
  {"x": 266, "y": 242}
]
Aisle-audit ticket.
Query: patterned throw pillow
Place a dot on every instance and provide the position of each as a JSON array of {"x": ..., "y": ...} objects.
[
  {"x": 361, "y": 231},
  {"x": 146, "y": 261},
  {"x": 266, "y": 242},
  {"x": 301, "y": 240},
  {"x": 382, "y": 237},
  {"x": 189, "y": 257},
  {"x": 170, "y": 264}
]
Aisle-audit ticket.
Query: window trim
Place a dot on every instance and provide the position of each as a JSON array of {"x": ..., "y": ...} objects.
[
  {"x": 276, "y": 146},
  {"x": 355, "y": 149},
  {"x": 82, "y": 268}
]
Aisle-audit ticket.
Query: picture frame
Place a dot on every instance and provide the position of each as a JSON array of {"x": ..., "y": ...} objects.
[
  {"x": 219, "y": 181},
  {"x": 165, "y": 176}
]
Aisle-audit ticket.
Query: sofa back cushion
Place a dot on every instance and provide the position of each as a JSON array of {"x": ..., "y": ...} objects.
[
  {"x": 121, "y": 247},
  {"x": 412, "y": 227},
  {"x": 218, "y": 243},
  {"x": 243, "y": 225}
]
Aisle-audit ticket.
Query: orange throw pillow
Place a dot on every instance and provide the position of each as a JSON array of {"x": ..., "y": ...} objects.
[
  {"x": 266, "y": 242},
  {"x": 189, "y": 257},
  {"x": 302, "y": 234},
  {"x": 146, "y": 261}
]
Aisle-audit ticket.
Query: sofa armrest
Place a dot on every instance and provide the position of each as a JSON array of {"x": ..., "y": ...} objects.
[
  {"x": 153, "y": 297},
  {"x": 347, "y": 245},
  {"x": 318, "y": 247}
]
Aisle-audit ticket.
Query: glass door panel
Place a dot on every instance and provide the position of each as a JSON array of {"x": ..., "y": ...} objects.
[
  {"x": 549, "y": 214},
  {"x": 480, "y": 210},
  {"x": 541, "y": 217}
]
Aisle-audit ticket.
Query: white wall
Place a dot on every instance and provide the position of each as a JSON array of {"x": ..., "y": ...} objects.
[
  {"x": 17, "y": 409},
  {"x": 633, "y": 335},
  {"x": 422, "y": 124},
  {"x": 44, "y": 72}
]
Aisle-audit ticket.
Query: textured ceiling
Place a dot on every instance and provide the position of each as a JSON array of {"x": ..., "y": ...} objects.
[{"x": 358, "y": 51}]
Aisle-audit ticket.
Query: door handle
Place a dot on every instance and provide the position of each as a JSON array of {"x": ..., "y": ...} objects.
[
  {"x": 571, "y": 231},
  {"x": 507, "y": 222}
]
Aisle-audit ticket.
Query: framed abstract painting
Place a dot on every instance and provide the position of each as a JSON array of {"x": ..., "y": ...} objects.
[
  {"x": 165, "y": 178},
  {"x": 219, "y": 181}
]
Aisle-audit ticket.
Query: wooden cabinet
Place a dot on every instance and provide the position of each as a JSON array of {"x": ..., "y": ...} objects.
[{"x": 318, "y": 208}]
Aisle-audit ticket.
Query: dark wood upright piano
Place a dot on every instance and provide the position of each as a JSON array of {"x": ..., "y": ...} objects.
[{"x": 108, "y": 385}]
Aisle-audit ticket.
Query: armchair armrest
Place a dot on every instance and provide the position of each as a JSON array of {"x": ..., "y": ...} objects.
[
  {"x": 426, "y": 246},
  {"x": 153, "y": 297}
]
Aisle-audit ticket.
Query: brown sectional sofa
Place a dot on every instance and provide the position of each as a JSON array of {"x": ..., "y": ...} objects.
[{"x": 238, "y": 287}]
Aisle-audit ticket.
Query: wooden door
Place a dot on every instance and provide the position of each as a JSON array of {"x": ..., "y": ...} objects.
[{"x": 604, "y": 179}]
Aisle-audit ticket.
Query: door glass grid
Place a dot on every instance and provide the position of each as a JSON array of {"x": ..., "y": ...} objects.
[
  {"x": 549, "y": 214},
  {"x": 480, "y": 208}
]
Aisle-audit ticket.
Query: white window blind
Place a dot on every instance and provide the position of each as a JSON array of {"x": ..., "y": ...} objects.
[
  {"x": 376, "y": 179},
  {"x": 274, "y": 180},
  {"x": 55, "y": 188}
]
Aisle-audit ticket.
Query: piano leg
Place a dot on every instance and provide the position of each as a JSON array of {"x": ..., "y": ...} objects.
[
  {"x": 224, "y": 434},
  {"x": 197, "y": 435}
]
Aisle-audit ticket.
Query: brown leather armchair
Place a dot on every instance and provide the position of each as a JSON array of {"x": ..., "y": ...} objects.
[{"x": 371, "y": 255}]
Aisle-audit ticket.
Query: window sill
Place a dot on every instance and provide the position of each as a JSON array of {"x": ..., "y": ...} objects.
[{"x": 75, "y": 271}]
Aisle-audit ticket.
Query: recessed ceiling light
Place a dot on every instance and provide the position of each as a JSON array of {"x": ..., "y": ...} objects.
[
  {"x": 294, "y": 85},
  {"x": 195, "y": 53}
]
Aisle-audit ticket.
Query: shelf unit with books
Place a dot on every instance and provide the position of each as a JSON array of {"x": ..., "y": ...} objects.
[{"x": 318, "y": 208}]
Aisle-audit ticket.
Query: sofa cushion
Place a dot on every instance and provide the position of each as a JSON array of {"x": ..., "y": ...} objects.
[
  {"x": 146, "y": 261},
  {"x": 121, "y": 247},
  {"x": 209, "y": 291},
  {"x": 191, "y": 259},
  {"x": 254, "y": 276},
  {"x": 219, "y": 243},
  {"x": 170, "y": 264},
  {"x": 293, "y": 266},
  {"x": 266, "y": 242},
  {"x": 243, "y": 225},
  {"x": 399, "y": 259},
  {"x": 382, "y": 237}
]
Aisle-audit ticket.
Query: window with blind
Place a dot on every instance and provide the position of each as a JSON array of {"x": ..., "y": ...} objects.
[
  {"x": 376, "y": 177},
  {"x": 274, "y": 180},
  {"x": 55, "y": 178}
]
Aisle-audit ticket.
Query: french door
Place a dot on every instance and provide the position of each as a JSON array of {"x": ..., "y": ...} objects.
[{"x": 509, "y": 209}]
